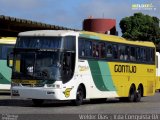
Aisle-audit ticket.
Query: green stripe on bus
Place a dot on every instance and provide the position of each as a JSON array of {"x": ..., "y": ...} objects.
[
  {"x": 89, "y": 36},
  {"x": 97, "y": 77},
  {"x": 3, "y": 80},
  {"x": 101, "y": 76},
  {"x": 5, "y": 73},
  {"x": 106, "y": 75}
]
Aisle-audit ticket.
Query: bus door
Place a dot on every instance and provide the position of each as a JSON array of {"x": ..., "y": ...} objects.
[{"x": 68, "y": 65}]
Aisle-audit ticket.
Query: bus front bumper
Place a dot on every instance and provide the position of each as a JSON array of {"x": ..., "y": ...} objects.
[{"x": 37, "y": 93}]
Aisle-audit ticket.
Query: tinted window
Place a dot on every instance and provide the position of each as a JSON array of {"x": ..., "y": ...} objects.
[
  {"x": 81, "y": 47},
  {"x": 138, "y": 54},
  {"x": 121, "y": 50},
  {"x": 109, "y": 51},
  {"x": 143, "y": 54},
  {"x": 85, "y": 48},
  {"x": 95, "y": 49},
  {"x": 5, "y": 50},
  {"x": 39, "y": 42},
  {"x": 102, "y": 50},
  {"x": 152, "y": 55},
  {"x": 133, "y": 54},
  {"x": 127, "y": 53},
  {"x": 115, "y": 51},
  {"x": 69, "y": 43},
  {"x": 148, "y": 56},
  {"x": 88, "y": 48}
]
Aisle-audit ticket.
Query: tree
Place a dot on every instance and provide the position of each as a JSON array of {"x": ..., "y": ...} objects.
[{"x": 141, "y": 27}]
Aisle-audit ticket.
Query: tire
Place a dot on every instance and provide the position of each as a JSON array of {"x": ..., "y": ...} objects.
[
  {"x": 79, "y": 97},
  {"x": 138, "y": 95},
  {"x": 37, "y": 102},
  {"x": 131, "y": 96}
]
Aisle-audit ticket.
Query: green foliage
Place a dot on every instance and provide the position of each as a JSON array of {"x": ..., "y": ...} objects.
[{"x": 141, "y": 27}]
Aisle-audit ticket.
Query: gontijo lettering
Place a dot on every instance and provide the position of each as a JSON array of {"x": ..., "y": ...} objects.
[{"x": 125, "y": 68}]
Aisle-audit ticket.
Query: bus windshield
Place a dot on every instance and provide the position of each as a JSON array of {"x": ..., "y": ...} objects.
[
  {"x": 44, "y": 58},
  {"x": 44, "y": 65},
  {"x": 39, "y": 65}
]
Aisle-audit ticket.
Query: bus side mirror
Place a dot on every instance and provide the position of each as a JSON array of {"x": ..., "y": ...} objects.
[{"x": 10, "y": 60}]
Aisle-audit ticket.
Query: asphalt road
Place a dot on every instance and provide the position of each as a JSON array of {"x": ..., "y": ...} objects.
[{"x": 23, "y": 109}]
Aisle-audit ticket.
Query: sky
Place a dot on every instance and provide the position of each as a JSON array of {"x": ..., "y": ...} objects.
[{"x": 71, "y": 13}]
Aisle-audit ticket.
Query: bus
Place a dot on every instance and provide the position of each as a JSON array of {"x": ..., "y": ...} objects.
[
  {"x": 6, "y": 46},
  {"x": 79, "y": 65}
]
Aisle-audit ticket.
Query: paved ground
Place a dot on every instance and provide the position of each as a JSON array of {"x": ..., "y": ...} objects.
[{"x": 8, "y": 106}]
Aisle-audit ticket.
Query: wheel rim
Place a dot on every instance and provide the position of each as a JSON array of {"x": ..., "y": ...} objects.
[
  {"x": 79, "y": 95},
  {"x": 140, "y": 91},
  {"x": 138, "y": 95}
]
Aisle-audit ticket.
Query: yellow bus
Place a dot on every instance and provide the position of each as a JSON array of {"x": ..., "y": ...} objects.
[
  {"x": 6, "y": 46},
  {"x": 78, "y": 65}
]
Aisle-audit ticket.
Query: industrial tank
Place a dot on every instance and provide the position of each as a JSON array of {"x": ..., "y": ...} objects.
[{"x": 100, "y": 25}]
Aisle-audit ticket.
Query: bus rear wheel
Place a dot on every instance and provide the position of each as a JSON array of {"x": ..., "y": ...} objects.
[
  {"x": 132, "y": 93},
  {"x": 79, "y": 96},
  {"x": 37, "y": 102},
  {"x": 138, "y": 94}
]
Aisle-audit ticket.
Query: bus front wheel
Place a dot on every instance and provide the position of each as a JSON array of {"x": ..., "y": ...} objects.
[{"x": 79, "y": 96}]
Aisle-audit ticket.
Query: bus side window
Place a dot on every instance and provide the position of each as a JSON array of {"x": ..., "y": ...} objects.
[
  {"x": 109, "y": 51},
  {"x": 121, "y": 50},
  {"x": 148, "y": 55},
  {"x": 127, "y": 53},
  {"x": 6, "y": 50},
  {"x": 143, "y": 54},
  {"x": 81, "y": 47},
  {"x": 138, "y": 54},
  {"x": 88, "y": 48},
  {"x": 152, "y": 55},
  {"x": 69, "y": 43},
  {"x": 102, "y": 49},
  {"x": 133, "y": 54},
  {"x": 115, "y": 52},
  {"x": 95, "y": 50}
]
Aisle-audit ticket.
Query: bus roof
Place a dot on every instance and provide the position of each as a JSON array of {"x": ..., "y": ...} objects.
[
  {"x": 8, "y": 40},
  {"x": 113, "y": 38},
  {"x": 93, "y": 35},
  {"x": 48, "y": 33}
]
